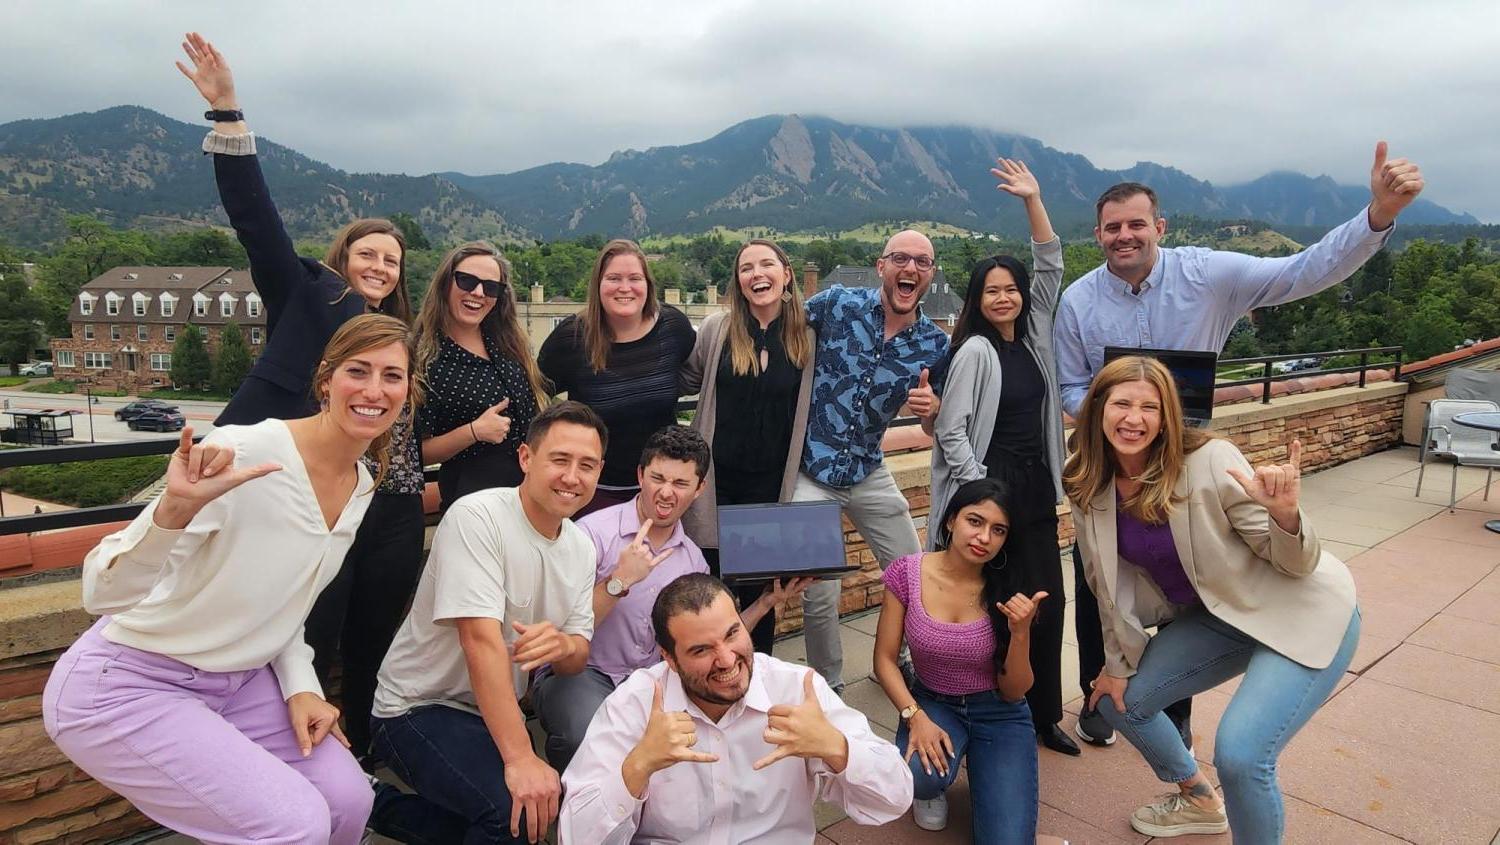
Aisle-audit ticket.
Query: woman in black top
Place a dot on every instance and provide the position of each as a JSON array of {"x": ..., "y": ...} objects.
[
  {"x": 620, "y": 356},
  {"x": 483, "y": 388},
  {"x": 306, "y": 301}
]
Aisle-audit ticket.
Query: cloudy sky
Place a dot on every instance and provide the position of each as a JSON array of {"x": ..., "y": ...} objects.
[{"x": 1221, "y": 90}]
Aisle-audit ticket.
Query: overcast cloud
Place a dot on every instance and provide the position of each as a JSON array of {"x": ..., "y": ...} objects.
[{"x": 1221, "y": 90}]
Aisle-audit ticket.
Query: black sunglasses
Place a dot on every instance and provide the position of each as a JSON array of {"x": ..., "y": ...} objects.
[{"x": 468, "y": 281}]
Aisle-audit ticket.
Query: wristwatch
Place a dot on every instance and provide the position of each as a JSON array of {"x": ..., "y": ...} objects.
[
  {"x": 909, "y": 711},
  {"x": 224, "y": 115},
  {"x": 615, "y": 587}
]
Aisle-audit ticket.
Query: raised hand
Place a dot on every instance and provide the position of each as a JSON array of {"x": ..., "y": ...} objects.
[
  {"x": 539, "y": 644},
  {"x": 668, "y": 740},
  {"x": 492, "y": 426},
  {"x": 922, "y": 400},
  {"x": 636, "y": 561},
  {"x": 1020, "y": 611},
  {"x": 196, "y": 475},
  {"x": 1016, "y": 179},
  {"x": 210, "y": 73},
  {"x": 1276, "y": 487},
  {"x": 804, "y": 731},
  {"x": 1394, "y": 183},
  {"x": 313, "y": 719}
]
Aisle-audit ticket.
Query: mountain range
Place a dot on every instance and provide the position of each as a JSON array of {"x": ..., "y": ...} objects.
[{"x": 136, "y": 167}]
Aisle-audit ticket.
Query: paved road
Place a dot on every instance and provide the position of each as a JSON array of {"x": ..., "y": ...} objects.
[{"x": 106, "y": 428}]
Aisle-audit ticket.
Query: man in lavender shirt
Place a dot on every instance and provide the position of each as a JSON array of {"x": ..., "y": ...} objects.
[{"x": 641, "y": 549}]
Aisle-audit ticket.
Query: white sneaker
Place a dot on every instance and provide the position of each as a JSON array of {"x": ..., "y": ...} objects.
[{"x": 931, "y": 815}]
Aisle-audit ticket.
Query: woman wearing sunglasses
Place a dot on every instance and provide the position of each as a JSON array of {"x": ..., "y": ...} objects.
[{"x": 483, "y": 387}]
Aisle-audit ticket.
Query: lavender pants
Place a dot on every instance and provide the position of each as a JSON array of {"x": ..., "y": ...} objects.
[{"x": 208, "y": 754}]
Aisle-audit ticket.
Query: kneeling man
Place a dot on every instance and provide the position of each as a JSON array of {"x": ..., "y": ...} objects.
[{"x": 718, "y": 744}]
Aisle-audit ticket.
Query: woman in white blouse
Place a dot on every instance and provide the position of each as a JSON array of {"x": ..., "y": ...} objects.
[{"x": 194, "y": 696}]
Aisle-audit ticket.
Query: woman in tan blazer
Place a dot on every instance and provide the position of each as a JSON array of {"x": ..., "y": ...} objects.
[{"x": 1175, "y": 526}]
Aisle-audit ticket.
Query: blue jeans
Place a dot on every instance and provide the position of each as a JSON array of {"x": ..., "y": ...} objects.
[
  {"x": 448, "y": 756},
  {"x": 999, "y": 741},
  {"x": 1277, "y": 696}
]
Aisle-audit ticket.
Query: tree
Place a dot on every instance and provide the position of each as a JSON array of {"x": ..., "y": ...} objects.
[
  {"x": 21, "y": 313},
  {"x": 90, "y": 248},
  {"x": 232, "y": 363},
  {"x": 190, "y": 364},
  {"x": 411, "y": 230},
  {"x": 200, "y": 248}
]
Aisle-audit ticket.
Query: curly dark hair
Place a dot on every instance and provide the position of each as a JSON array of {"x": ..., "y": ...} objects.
[{"x": 677, "y": 443}]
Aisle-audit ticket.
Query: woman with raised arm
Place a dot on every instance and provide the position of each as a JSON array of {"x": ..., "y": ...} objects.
[
  {"x": 1174, "y": 526},
  {"x": 1000, "y": 418},
  {"x": 620, "y": 356},
  {"x": 966, "y": 610},
  {"x": 194, "y": 697},
  {"x": 752, "y": 370},
  {"x": 483, "y": 386},
  {"x": 306, "y": 301}
]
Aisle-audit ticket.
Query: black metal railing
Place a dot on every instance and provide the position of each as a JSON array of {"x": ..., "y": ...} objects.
[{"x": 1269, "y": 374}]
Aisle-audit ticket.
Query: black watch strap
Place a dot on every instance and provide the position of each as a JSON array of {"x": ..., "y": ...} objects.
[{"x": 224, "y": 115}]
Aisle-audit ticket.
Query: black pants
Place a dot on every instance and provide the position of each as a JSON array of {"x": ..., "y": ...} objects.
[
  {"x": 357, "y": 615},
  {"x": 763, "y": 635},
  {"x": 1091, "y": 641},
  {"x": 1033, "y": 546}
]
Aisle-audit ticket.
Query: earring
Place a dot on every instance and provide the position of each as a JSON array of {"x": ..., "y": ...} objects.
[
  {"x": 786, "y": 296},
  {"x": 1004, "y": 559}
]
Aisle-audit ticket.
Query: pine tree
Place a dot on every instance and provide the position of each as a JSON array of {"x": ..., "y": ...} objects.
[
  {"x": 191, "y": 368},
  {"x": 233, "y": 361}
]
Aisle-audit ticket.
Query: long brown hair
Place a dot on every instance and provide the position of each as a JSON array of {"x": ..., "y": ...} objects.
[
  {"x": 397, "y": 304},
  {"x": 1092, "y": 466},
  {"x": 361, "y": 334},
  {"x": 593, "y": 327},
  {"x": 793, "y": 318},
  {"x": 502, "y": 323}
]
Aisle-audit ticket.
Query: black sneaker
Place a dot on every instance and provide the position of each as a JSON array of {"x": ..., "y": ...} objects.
[
  {"x": 1054, "y": 738},
  {"x": 1184, "y": 730},
  {"x": 1092, "y": 728}
]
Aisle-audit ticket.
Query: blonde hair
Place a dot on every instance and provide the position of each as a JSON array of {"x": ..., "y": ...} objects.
[
  {"x": 361, "y": 334},
  {"x": 742, "y": 355},
  {"x": 1092, "y": 466},
  {"x": 396, "y": 303},
  {"x": 502, "y": 323},
  {"x": 593, "y": 328}
]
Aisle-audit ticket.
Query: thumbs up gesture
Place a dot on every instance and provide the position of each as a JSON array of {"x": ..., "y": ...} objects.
[
  {"x": 492, "y": 426},
  {"x": 921, "y": 399},
  {"x": 804, "y": 731},
  {"x": 1394, "y": 183},
  {"x": 1276, "y": 487}
]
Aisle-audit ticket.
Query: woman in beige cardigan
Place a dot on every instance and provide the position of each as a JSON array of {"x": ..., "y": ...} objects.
[
  {"x": 1175, "y": 526},
  {"x": 752, "y": 370}
]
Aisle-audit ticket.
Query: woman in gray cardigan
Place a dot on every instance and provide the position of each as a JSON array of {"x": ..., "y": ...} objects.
[
  {"x": 1000, "y": 418},
  {"x": 752, "y": 370}
]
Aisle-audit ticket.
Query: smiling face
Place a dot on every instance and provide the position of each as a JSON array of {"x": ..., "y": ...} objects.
[
  {"x": 467, "y": 309},
  {"x": 762, "y": 277},
  {"x": 668, "y": 487},
  {"x": 366, "y": 392},
  {"x": 622, "y": 289},
  {"x": 374, "y": 266},
  {"x": 1131, "y": 421},
  {"x": 562, "y": 471},
  {"x": 1000, "y": 302},
  {"x": 901, "y": 288},
  {"x": 977, "y": 532},
  {"x": 1129, "y": 231},
  {"x": 712, "y": 654}
]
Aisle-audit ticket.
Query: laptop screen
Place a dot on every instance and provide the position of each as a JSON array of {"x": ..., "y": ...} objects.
[
  {"x": 1194, "y": 373},
  {"x": 786, "y": 537}
]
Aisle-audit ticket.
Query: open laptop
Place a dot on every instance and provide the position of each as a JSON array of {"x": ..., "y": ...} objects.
[
  {"x": 1194, "y": 373},
  {"x": 781, "y": 540}
]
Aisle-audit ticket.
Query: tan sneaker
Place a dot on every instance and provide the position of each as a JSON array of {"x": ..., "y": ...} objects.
[{"x": 1175, "y": 815}]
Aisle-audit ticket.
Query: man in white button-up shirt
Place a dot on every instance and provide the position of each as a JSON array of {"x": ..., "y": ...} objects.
[{"x": 720, "y": 745}]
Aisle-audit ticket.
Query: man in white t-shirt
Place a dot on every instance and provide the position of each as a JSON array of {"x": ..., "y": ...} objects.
[{"x": 508, "y": 588}]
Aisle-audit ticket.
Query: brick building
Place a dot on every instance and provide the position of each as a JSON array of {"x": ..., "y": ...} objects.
[{"x": 125, "y": 322}]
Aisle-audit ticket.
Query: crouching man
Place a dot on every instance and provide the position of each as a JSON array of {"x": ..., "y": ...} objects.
[{"x": 718, "y": 744}]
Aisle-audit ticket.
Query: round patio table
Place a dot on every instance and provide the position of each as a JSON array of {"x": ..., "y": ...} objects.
[{"x": 1489, "y": 421}]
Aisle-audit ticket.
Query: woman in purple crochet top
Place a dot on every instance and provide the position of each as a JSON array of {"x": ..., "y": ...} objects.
[{"x": 967, "y": 616}]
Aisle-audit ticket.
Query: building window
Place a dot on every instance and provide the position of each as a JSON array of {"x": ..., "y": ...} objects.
[
  {"x": 252, "y": 306},
  {"x": 226, "y": 305},
  {"x": 85, "y": 304},
  {"x": 65, "y": 358},
  {"x": 255, "y": 335},
  {"x": 168, "y": 305},
  {"x": 142, "y": 332},
  {"x": 169, "y": 333},
  {"x": 114, "y": 332},
  {"x": 88, "y": 331},
  {"x": 111, "y": 306},
  {"x": 138, "y": 304},
  {"x": 96, "y": 360},
  {"x": 557, "y": 321},
  {"x": 161, "y": 362},
  {"x": 200, "y": 305}
]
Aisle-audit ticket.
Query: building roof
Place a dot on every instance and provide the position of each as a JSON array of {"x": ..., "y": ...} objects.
[
  {"x": 939, "y": 303},
  {"x": 152, "y": 280},
  {"x": 180, "y": 282}
]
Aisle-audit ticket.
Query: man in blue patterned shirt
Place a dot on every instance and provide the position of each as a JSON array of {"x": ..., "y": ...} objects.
[{"x": 874, "y": 351}]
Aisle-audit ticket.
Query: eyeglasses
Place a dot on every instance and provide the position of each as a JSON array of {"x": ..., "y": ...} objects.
[
  {"x": 901, "y": 259},
  {"x": 468, "y": 281}
]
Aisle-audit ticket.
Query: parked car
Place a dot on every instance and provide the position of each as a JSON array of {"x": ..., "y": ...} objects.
[
  {"x": 135, "y": 409},
  {"x": 158, "y": 419},
  {"x": 37, "y": 368}
]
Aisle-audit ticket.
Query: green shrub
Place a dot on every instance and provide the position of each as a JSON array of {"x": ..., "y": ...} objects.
[
  {"x": 55, "y": 386},
  {"x": 86, "y": 484}
]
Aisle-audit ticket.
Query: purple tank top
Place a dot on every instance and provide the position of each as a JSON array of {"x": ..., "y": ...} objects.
[
  {"x": 1151, "y": 548},
  {"x": 950, "y": 658}
]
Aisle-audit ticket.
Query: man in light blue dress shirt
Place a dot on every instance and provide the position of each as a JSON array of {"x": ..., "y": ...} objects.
[{"x": 1189, "y": 298}]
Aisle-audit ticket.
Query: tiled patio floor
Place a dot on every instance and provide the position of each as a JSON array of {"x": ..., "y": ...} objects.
[{"x": 1407, "y": 747}]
